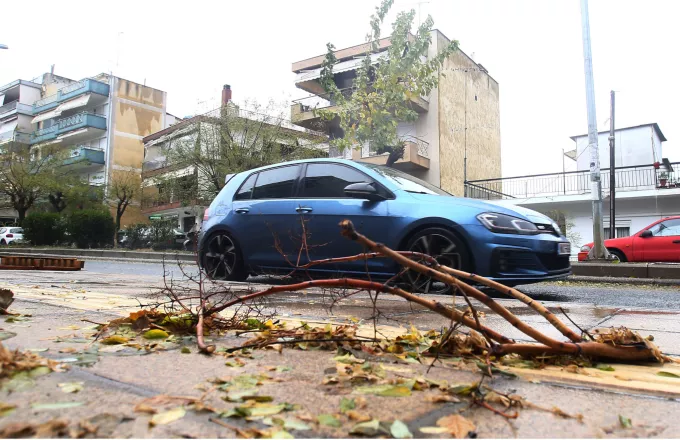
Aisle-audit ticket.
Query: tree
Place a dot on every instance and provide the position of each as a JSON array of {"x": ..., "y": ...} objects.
[
  {"x": 73, "y": 192},
  {"x": 380, "y": 97},
  {"x": 124, "y": 187},
  {"x": 229, "y": 141},
  {"x": 27, "y": 175}
]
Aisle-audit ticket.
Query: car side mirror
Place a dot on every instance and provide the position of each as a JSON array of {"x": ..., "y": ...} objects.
[
  {"x": 363, "y": 190},
  {"x": 646, "y": 233}
]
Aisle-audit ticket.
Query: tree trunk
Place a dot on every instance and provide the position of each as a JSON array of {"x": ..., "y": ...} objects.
[
  {"x": 22, "y": 214},
  {"x": 396, "y": 153}
]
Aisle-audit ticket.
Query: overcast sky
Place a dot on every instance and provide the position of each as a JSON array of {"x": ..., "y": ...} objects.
[{"x": 532, "y": 48}]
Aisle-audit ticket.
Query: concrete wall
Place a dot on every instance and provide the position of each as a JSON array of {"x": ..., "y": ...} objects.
[
  {"x": 634, "y": 146},
  {"x": 137, "y": 111},
  {"x": 467, "y": 99},
  {"x": 28, "y": 95}
]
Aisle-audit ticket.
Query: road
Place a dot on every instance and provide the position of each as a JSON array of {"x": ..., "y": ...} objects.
[{"x": 602, "y": 295}]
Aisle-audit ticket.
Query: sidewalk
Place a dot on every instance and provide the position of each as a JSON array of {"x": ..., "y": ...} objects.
[{"x": 118, "y": 379}]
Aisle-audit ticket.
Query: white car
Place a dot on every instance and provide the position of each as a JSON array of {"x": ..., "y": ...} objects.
[{"x": 10, "y": 235}]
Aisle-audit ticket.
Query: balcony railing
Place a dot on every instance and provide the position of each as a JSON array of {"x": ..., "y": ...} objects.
[
  {"x": 69, "y": 123},
  {"x": 86, "y": 156},
  {"x": 18, "y": 106},
  {"x": 70, "y": 91},
  {"x": 632, "y": 178},
  {"x": 15, "y": 136}
]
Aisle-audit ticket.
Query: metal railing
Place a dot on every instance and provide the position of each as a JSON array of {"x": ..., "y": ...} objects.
[
  {"x": 631, "y": 178},
  {"x": 9, "y": 107},
  {"x": 46, "y": 100},
  {"x": 16, "y": 136},
  {"x": 322, "y": 100}
]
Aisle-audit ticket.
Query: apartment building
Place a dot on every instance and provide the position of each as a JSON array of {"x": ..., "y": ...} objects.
[
  {"x": 99, "y": 120},
  {"x": 159, "y": 199},
  {"x": 457, "y": 134},
  {"x": 647, "y": 185}
]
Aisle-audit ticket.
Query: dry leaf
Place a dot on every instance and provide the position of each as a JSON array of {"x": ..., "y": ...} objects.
[
  {"x": 456, "y": 425},
  {"x": 144, "y": 408},
  {"x": 357, "y": 416},
  {"x": 442, "y": 398},
  {"x": 167, "y": 417}
]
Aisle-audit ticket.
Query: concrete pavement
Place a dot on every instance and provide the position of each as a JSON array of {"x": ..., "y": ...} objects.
[{"x": 117, "y": 380}]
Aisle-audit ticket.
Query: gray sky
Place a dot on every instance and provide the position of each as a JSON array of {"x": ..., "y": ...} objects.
[{"x": 532, "y": 48}]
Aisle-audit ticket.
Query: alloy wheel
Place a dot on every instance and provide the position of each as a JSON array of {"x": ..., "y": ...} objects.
[
  {"x": 220, "y": 257},
  {"x": 445, "y": 251}
]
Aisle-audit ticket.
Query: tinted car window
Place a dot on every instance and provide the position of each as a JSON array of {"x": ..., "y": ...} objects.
[
  {"x": 325, "y": 180},
  {"x": 406, "y": 182},
  {"x": 667, "y": 228},
  {"x": 277, "y": 183},
  {"x": 246, "y": 189}
]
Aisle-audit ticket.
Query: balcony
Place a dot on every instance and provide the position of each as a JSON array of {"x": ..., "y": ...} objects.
[
  {"x": 632, "y": 178},
  {"x": 15, "y": 136},
  {"x": 15, "y": 107},
  {"x": 69, "y": 92},
  {"x": 416, "y": 157},
  {"x": 304, "y": 113},
  {"x": 83, "y": 157},
  {"x": 76, "y": 128}
]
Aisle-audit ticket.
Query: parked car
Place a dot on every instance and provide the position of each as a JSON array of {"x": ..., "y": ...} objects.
[
  {"x": 658, "y": 242},
  {"x": 9, "y": 235},
  {"x": 257, "y": 216}
]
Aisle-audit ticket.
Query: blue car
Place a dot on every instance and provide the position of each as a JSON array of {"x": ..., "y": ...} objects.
[{"x": 270, "y": 219}]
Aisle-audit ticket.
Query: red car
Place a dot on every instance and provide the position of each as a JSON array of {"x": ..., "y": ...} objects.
[{"x": 658, "y": 242}]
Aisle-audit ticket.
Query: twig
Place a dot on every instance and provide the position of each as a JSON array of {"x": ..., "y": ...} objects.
[
  {"x": 483, "y": 404},
  {"x": 92, "y": 322},
  {"x": 207, "y": 349},
  {"x": 577, "y": 326}
]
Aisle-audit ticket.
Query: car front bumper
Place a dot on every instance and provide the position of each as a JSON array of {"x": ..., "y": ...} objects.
[{"x": 517, "y": 258}]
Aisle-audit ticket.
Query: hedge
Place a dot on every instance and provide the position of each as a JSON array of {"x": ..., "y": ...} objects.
[
  {"x": 44, "y": 228},
  {"x": 91, "y": 228}
]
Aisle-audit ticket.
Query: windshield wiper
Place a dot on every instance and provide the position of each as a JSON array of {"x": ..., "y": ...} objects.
[{"x": 416, "y": 192}]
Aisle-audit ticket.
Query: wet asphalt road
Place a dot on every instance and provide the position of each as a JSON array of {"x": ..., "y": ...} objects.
[{"x": 604, "y": 295}]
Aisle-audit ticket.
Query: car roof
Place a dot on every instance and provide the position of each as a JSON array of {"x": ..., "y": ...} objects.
[{"x": 302, "y": 161}]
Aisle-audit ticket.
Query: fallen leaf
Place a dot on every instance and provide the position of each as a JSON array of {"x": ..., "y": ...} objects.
[
  {"x": 348, "y": 359},
  {"x": 6, "y": 335},
  {"x": 144, "y": 408},
  {"x": 625, "y": 421},
  {"x": 328, "y": 420},
  {"x": 37, "y": 350},
  {"x": 398, "y": 429},
  {"x": 442, "y": 398},
  {"x": 367, "y": 428},
  {"x": 281, "y": 434},
  {"x": 185, "y": 350},
  {"x": 71, "y": 387},
  {"x": 70, "y": 327},
  {"x": 114, "y": 340},
  {"x": 357, "y": 416},
  {"x": 259, "y": 409},
  {"x": 58, "y": 405},
  {"x": 167, "y": 416},
  {"x": 347, "y": 404},
  {"x": 604, "y": 367},
  {"x": 6, "y": 409},
  {"x": 282, "y": 369},
  {"x": 668, "y": 374},
  {"x": 384, "y": 390},
  {"x": 456, "y": 425},
  {"x": 68, "y": 350},
  {"x": 155, "y": 334}
]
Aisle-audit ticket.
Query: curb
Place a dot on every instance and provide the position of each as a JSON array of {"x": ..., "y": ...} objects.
[
  {"x": 97, "y": 254},
  {"x": 624, "y": 280}
]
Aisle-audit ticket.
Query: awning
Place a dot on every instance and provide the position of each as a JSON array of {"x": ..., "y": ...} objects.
[
  {"x": 74, "y": 103},
  {"x": 8, "y": 126},
  {"x": 344, "y": 66},
  {"x": 45, "y": 116},
  {"x": 169, "y": 175}
]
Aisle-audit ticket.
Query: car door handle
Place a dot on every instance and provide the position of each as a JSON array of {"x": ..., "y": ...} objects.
[
  {"x": 676, "y": 241},
  {"x": 303, "y": 209},
  {"x": 241, "y": 210}
]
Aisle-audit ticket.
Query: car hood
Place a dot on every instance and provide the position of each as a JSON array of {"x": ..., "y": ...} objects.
[
  {"x": 482, "y": 206},
  {"x": 615, "y": 242}
]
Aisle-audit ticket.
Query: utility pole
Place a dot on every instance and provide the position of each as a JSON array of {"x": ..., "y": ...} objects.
[
  {"x": 612, "y": 172},
  {"x": 598, "y": 251}
]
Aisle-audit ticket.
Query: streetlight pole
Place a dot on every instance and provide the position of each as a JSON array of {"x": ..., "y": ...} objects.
[{"x": 598, "y": 251}]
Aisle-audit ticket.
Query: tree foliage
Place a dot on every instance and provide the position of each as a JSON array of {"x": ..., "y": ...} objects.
[
  {"x": 382, "y": 93},
  {"x": 28, "y": 174},
  {"x": 72, "y": 192},
  {"x": 229, "y": 141}
]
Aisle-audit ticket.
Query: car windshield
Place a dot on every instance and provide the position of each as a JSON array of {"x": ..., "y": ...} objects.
[
  {"x": 406, "y": 182},
  {"x": 3, "y": 230}
]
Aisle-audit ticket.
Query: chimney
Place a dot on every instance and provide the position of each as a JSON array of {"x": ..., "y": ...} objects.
[{"x": 226, "y": 94}]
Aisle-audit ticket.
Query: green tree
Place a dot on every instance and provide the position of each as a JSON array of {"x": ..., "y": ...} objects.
[
  {"x": 381, "y": 95},
  {"x": 229, "y": 141},
  {"x": 72, "y": 192},
  {"x": 27, "y": 175}
]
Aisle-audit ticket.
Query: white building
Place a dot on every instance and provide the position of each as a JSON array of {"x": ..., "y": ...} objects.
[{"x": 647, "y": 185}]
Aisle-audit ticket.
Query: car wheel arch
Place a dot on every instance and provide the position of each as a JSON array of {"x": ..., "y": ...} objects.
[
  {"x": 449, "y": 225},
  {"x": 617, "y": 250}
]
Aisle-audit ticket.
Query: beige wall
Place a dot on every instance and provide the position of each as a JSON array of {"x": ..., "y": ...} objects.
[{"x": 481, "y": 116}]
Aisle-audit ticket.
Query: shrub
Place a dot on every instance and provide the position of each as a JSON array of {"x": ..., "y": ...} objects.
[
  {"x": 91, "y": 228},
  {"x": 162, "y": 234},
  {"x": 136, "y": 236},
  {"x": 44, "y": 228}
]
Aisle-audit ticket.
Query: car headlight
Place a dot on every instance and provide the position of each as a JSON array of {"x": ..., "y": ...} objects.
[
  {"x": 585, "y": 248},
  {"x": 557, "y": 228},
  {"x": 507, "y": 224}
]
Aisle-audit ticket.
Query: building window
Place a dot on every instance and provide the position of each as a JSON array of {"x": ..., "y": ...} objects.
[{"x": 620, "y": 232}]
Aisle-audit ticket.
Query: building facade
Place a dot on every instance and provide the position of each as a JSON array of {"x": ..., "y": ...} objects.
[
  {"x": 100, "y": 121},
  {"x": 458, "y": 128},
  {"x": 647, "y": 186}
]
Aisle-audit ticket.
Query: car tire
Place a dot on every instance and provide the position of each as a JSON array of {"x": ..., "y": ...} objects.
[
  {"x": 446, "y": 248},
  {"x": 618, "y": 254},
  {"x": 221, "y": 258},
  {"x": 3, "y": 242}
]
